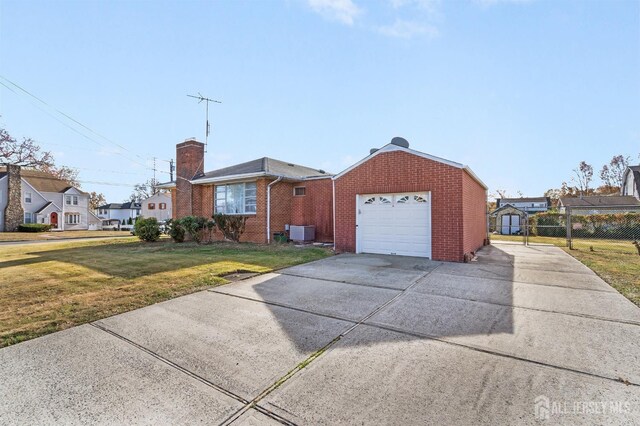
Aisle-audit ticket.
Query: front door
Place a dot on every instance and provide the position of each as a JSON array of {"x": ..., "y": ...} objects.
[{"x": 54, "y": 220}]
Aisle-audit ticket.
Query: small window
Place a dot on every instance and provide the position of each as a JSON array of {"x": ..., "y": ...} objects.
[
  {"x": 370, "y": 200},
  {"x": 27, "y": 217},
  {"x": 152, "y": 206},
  {"x": 67, "y": 200},
  {"x": 299, "y": 191},
  {"x": 385, "y": 200},
  {"x": 75, "y": 200},
  {"x": 419, "y": 199},
  {"x": 27, "y": 199},
  {"x": 403, "y": 200},
  {"x": 162, "y": 206}
]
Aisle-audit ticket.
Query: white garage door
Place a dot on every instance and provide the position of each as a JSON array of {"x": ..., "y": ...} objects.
[{"x": 394, "y": 224}]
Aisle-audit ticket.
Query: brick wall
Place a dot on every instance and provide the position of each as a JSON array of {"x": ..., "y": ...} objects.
[
  {"x": 315, "y": 207},
  {"x": 399, "y": 171},
  {"x": 281, "y": 199},
  {"x": 474, "y": 205},
  {"x": 189, "y": 163}
]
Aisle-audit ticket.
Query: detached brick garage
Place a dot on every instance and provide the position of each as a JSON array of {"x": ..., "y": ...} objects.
[
  {"x": 395, "y": 201},
  {"x": 401, "y": 201}
]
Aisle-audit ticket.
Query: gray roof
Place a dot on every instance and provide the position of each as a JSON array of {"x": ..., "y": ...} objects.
[
  {"x": 120, "y": 206},
  {"x": 2, "y": 174},
  {"x": 268, "y": 166},
  {"x": 600, "y": 201},
  {"x": 502, "y": 201}
]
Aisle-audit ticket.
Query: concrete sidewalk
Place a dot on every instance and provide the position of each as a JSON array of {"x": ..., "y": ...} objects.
[{"x": 522, "y": 334}]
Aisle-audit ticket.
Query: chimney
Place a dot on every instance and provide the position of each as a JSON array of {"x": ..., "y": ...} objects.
[
  {"x": 189, "y": 165},
  {"x": 13, "y": 212}
]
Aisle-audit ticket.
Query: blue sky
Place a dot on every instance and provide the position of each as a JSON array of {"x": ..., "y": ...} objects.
[{"x": 521, "y": 91}]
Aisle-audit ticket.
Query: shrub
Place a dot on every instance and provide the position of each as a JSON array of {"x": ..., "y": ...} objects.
[
  {"x": 175, "y": 230},
  {"x": 130, "y": 222},
  {"x": 231, "y": 226},
  {"x": 34, "y": 227},
  {"x": 147, "y": 229}
]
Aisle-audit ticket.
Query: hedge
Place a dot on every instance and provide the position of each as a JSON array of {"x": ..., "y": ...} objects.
[
  {"x": 34, "y": 227},
  {"x": 621, "y": 226}
]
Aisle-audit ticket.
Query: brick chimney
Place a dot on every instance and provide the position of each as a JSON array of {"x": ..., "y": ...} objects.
[
  {"x": 189, "y": 164},
  {"x": 13, "y": 212}
]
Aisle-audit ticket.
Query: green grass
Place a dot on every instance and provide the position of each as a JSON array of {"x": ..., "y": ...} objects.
[
  {"x": 615, "y": 261},
  {"x": 50, "y": 287},
  {"x": 58, "y": 235}
]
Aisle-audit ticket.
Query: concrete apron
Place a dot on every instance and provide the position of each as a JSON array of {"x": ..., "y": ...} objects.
[{"x": 444, "y": 344}]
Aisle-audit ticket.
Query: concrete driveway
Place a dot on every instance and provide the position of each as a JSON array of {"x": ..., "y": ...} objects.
[{"x": 522, "y": 335}]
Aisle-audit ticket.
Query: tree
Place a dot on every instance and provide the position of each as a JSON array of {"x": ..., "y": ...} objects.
[
  {"x": 64, "y": 173},
  {"x": 583, "y": 177},
  {"x": 142, "y": 191},
  {"x": 96, "y": 200},
  {"x": 29, "y": 154},
  {"x": 611, "y": 174},
  {"x": 25, "y": 153}
]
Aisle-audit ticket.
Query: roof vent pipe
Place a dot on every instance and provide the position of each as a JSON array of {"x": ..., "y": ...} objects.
[{"x": 400, "y": 142}]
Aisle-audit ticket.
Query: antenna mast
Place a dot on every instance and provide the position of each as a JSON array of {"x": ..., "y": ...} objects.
[{"x": 201, "y": 98}]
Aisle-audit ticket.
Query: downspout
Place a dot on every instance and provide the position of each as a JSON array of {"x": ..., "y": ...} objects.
[
  {"x": 334, "y": 214},
  {"x": 269, "y": 207}
]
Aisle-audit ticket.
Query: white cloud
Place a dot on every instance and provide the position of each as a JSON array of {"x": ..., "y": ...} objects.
[
  {"x": 429, "y": 5},
  {"x": 408, "y": 29},
  {"x": 344, "y": 11}
]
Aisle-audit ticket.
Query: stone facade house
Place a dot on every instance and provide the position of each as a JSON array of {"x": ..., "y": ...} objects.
[{"x": 32, "y": 196}]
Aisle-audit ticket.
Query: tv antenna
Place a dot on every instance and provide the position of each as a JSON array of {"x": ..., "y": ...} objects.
[{"x": 201, "y": 98}]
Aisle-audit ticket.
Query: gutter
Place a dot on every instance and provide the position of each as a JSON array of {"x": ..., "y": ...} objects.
[{"x": 269, "y": 207}]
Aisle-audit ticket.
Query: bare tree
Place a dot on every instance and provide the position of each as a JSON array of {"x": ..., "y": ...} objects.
[
  {"x": 67, "y": 174},
  {"x": 611, "y": 174},
  {"x": 96, "y": 200},
  {"x": 583, "y": 177},
  {"x": 145, "y": 190},
  {"x": 25, "y": 153}
]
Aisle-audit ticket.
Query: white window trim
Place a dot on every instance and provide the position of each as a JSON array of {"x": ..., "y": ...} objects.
[
  {"x": 299, "y": 187},
  {"x": 225, "y": 185},
  {"x": 30, "y": 197}
]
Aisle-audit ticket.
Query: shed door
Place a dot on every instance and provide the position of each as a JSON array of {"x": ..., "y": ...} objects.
[
  {"x": 394, "y": 224},
  {"x": 510, "y": 224}
]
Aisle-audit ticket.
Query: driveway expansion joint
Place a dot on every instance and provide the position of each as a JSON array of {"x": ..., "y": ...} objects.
[
  {"x": 618, "y": 379},
  {"x": 171, "y": 363}
]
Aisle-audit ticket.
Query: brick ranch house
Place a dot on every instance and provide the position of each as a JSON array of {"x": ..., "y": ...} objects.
[{"x": 394, "y": 201}]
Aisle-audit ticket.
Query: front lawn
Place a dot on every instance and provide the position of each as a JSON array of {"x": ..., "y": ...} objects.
[
  {"x": 615, "y": 261},
  {"x": 59, "y": 235},
  {"x": 50, "y": 287}
]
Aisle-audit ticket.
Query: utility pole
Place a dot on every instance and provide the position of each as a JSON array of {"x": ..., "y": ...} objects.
[
  {"x": 201, "y": 98},
  {"x": 154, "y": 170},
  {"x": 171, "y": 169}
]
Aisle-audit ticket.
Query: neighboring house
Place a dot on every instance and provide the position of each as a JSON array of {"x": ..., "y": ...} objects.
[
  {"x": 116, "y": 214},
  {"x": 32, "y": 196},
  {"x": 631, "y": 182},
  {"x": 599, "y": 204},
  {"x": 526, "y": 204},
  {"x": 394, "y": 201},
  {"x": 158, "y": 206}
]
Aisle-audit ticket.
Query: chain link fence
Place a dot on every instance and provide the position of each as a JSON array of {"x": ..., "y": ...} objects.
[{"x": 613, "y": 230}]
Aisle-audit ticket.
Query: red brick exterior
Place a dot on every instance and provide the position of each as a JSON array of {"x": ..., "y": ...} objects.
[
  {"x": 458, "y": 201},
  {"x": 315, "y": 207},
  {"x": 474, "y": 214},
  {"x": 189, "y": 163},
  {"x": 399, "y": 171}
]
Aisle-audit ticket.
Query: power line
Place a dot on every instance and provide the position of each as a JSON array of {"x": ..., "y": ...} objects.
[
  {"x": 75, "y": 121},
  {"x": 70, "y": 118}
]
